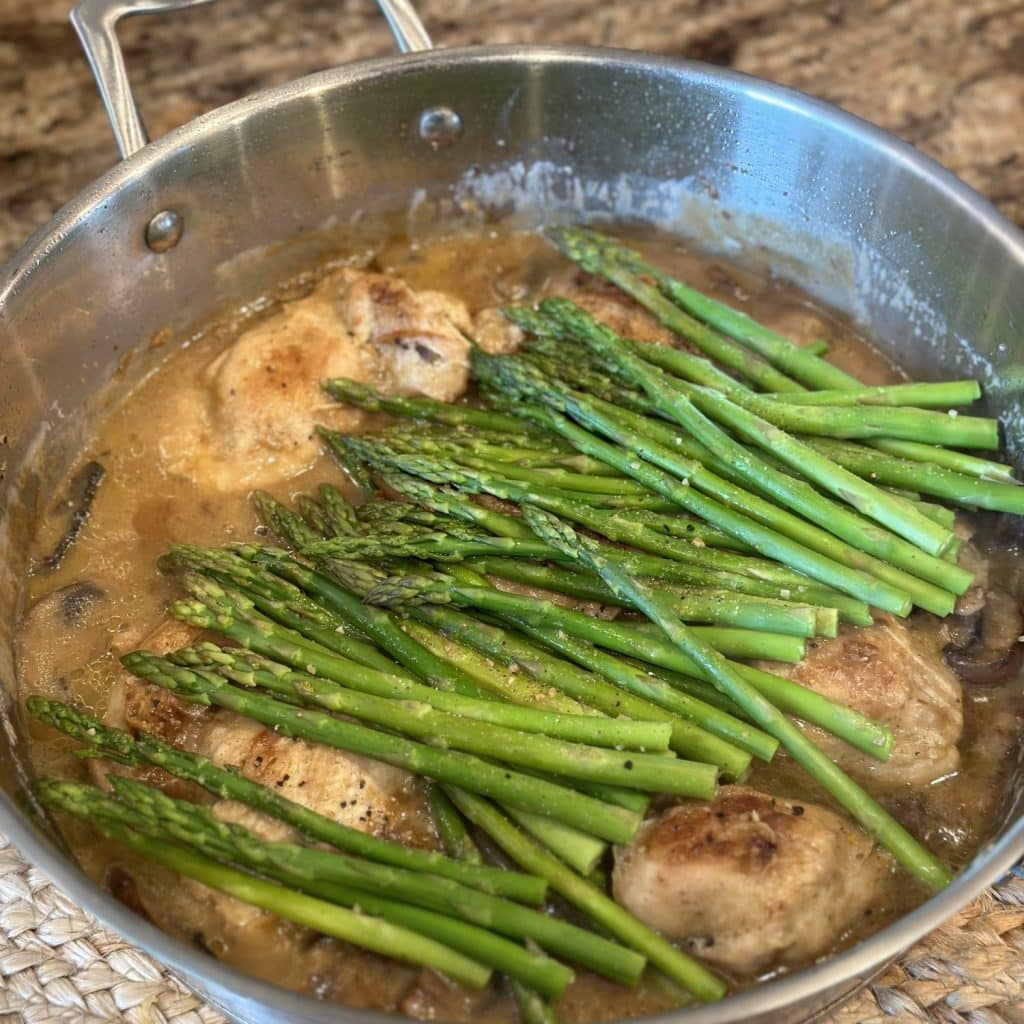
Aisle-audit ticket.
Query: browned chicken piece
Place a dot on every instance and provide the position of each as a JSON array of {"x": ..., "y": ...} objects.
[
  {"x": 364, "y": 794},
  {"x": 749, "y": 881},
  {"x": 357, "y": 791},
  {"x": 896, "y": 677},
  {"x": 251, "y": 421},
  {"x": 494, "y": 333},
  {"x": 418, "y": 338},
  {"x": 615, "y": 309}
]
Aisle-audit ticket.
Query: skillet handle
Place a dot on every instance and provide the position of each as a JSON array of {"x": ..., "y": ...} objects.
[
  {"x": 405, "y": 25},
  {"x": 95, "y": 21}
]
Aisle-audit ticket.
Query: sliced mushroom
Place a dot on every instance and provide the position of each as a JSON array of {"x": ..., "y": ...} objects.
[
  {"x": 992, "y": 651},
  {"x": 82, "y": 493}
]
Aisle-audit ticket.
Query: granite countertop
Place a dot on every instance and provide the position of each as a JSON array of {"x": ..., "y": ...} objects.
[{"x": 947, "y": 75}]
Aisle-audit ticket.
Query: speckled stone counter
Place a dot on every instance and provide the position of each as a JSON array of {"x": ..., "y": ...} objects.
[{"x": 947, "y": 76}]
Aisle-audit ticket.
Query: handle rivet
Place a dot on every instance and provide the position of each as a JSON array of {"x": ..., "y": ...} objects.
[
  {"x": 164, "y": 230},
  {"x": 440, "y": 126}
]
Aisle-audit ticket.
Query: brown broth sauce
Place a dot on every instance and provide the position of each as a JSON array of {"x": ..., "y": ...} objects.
[{"x": 140, "y": 509}]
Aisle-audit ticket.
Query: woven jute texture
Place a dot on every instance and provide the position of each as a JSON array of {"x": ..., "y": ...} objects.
[{"x": 58, "y": 965}]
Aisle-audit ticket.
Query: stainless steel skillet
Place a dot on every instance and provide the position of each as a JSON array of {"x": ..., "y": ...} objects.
[{"x": 761, "y": 174}]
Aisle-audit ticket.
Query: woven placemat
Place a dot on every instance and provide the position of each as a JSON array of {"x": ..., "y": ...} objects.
[{"x": 58, "y": 965}]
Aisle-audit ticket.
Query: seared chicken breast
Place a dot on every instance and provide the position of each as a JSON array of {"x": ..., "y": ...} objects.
[
  {"x": 894, "y": 677},
  {"x": 251, "y": 421},
  {"x": 359, "y": 792},
  {"x": 749, "y": 880}
]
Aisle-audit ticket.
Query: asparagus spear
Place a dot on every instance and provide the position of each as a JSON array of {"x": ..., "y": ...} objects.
[
  {"x": 143, "y": 749},
  {"x": 450, "y": 827},
  {"x": 397, "y": 592},
  {"x": 786, "y": 356},
  {"x": 923, "y": 395},
  {"x": 898, "y": 516},
  {"x": 348, "y": 462},
  {"x": 693, "y": 606},
  {"x": 952, "y": 486},
  {"x": 682, "y": 527},
  {"x": 312, "y": 515},
  {"x": 350, "y": 392},
  {"x": 531, "y": 1005},
  {"x": 590, "y": 588},
  {"x": 450, "y": 503},
  {"x": 248, "y": 669},
  {"x": 665, "y": 447},
  {"x": 649, "y": 698},
  {"x": 690, "y": 460},
  {"x": 585, "y": 897},
  {"x": 282, "y": 521},
  {"x": 914, "y": 857},
  {"x": 275, "y": 598},
  {"x": 904, "y": 424},
  {"x": 625, "y": 639},
  {"x": 416, "y": 719},
  {"x": 551, "y": 478},
  {"x": 599, "y": 254},
  {"x": 459, "y": 444},
  {"x": 309, "y": 657},
  {"x": 591, "y": 689},
  {"x": 581, "y": 374},
  {"x": 897, "y": 586},
  {"x": 516, "y": 687},
  {"x": 860, "y": 533},
  {"x": 960, "y": 462},
  {"x": 506, "y": 785},
  {"x": 768, "y": 542},
  {"x": 360, "y": 929},
  {"x": 526, "y": 688},
  {"x": 642, "y": 682},
  {"x": 580, "y": 851},
  {"x": 195, "y": 825},
  {"x": 340, "y": 514},
  {"x": 533, "y": 1009},
  {"x": 871, "y": 423},
  {"x": 725, "y": 350},
  {"x": 477, "y": 482},
  {"x": 229, "y": 611},
  {"x": 445, "y": 547},
  {"x": 617, "y": 526},
  {"x": 372, "y": 622}
]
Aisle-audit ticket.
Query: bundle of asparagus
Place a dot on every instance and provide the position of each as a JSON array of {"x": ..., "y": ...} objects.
[{"x": 735, "y": 504}]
